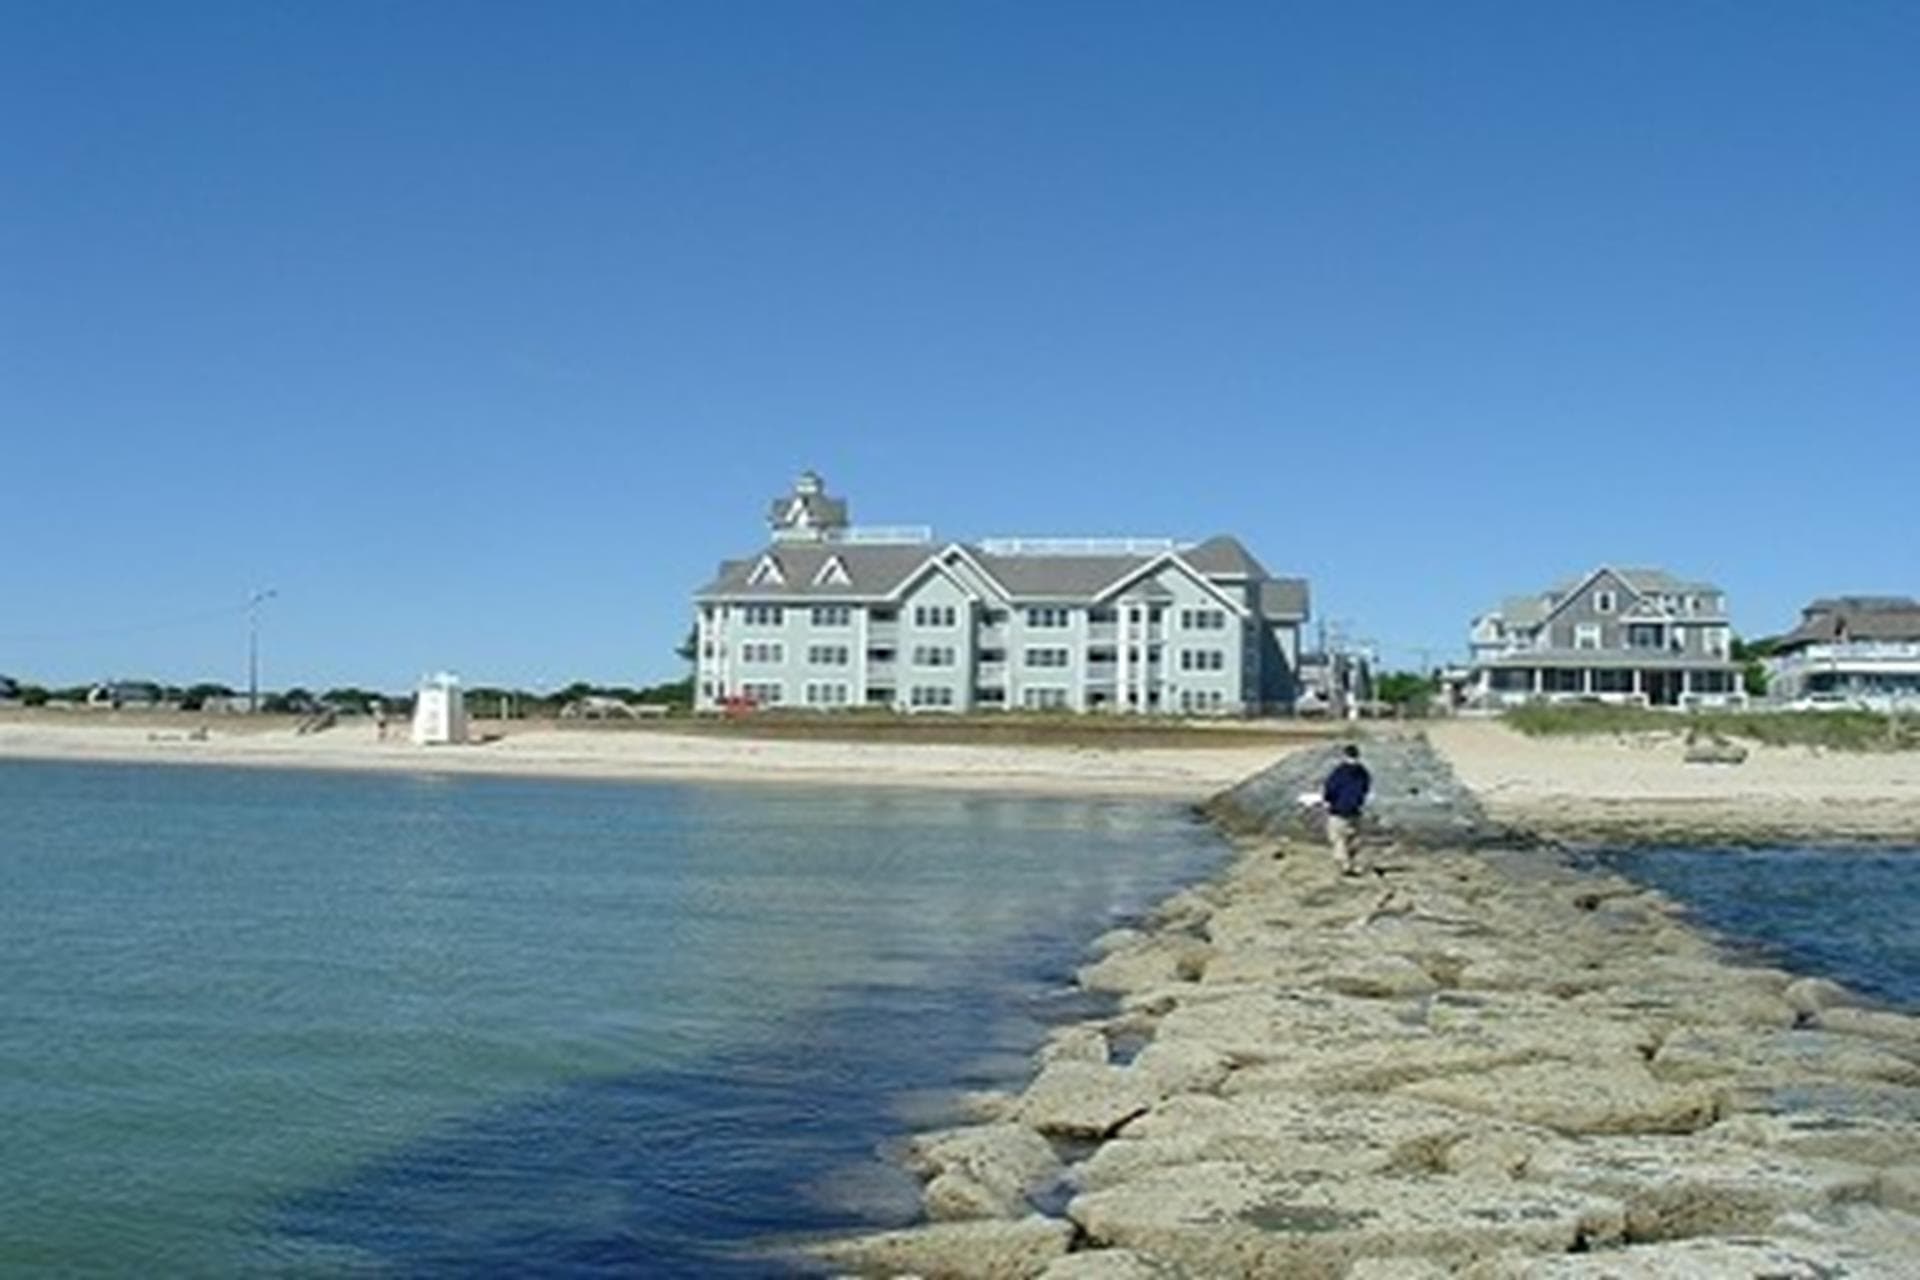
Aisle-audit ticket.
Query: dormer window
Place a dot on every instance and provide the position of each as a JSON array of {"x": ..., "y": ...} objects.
[
  {"x": 833, "y": 574},
  {"x": 767, "y": 573}
]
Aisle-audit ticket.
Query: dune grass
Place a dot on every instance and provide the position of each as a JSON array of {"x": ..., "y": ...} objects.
[{"x": 1832, "y": 730}]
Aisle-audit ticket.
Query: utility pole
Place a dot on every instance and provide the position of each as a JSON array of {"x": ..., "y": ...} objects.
[{"x": 253, "y": 647}]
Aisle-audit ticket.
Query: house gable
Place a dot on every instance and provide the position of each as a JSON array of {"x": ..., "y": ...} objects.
[
  {"x": 1580, "y": 608},
  {"x": 1171, "y": 560},
  {"x": 934, "y": 566}
]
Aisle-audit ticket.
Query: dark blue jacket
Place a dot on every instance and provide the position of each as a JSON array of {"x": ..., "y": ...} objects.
[{"x": 1346, "y": 789}]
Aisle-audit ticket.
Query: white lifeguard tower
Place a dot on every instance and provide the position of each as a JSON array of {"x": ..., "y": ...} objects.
[{"x": 439, "y": 712}]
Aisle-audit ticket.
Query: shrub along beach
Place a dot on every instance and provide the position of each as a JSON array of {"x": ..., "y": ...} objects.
[{"x": 1484, "y": 1061}]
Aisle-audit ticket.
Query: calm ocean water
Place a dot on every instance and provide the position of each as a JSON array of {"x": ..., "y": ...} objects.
[
  {"x": 257, "y": 1022},
  {"x": 1845, "y": 914}
]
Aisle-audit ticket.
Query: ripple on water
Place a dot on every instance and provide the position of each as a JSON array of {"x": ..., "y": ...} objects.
[{"x": 1844, "y": 914}]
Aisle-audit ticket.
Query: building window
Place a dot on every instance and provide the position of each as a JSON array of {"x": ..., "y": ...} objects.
[
  {"x": 825, "y": 693},
  {"x": 933, "y": 655},
  {"x": 1101, "y": 613},
  {"x": 1203, "y": 660},
  {"x": 1046, "y": 657},
  {"x": 1048, "y": 616},
  {"x": 1644, "y": 635},
  {"x": 882, "y": 615},
  {"x": 1102, "y": 654},
  {"x": 764, "y": 693},
  {"x": 1605, "y": 602},
  {"x": 1715, "y": 639},
  {"x": 1562, "y": 680},
  {"x": 991, "y": 695},
  {"x": 930, "y": 695},
  {"x": 832, "y": 615},
  {"x": 1202, "y": 700},
  {"x": 993, "y": 617},
  {"x": 763, "y": 652},
  {"x": 989, "y": 657},
  {"x": 828, "y": 655},
  {"x": 934, "y": 615},
  {"x": 1612, "y": 680},
  {"x": 1712, "y": 681},
  {"x": 1043, "y": 698},
  {"x": 1203, "y": 619},
  {"x": 1586, "y": 635},
  {"x": 762, "y": 615}
]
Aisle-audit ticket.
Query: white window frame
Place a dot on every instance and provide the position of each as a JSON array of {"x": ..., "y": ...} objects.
[
  {"x": 936, "y": 617},
  {"x": 1605, "y": 600},
  {"x": 930, "y": 696},
  {"x": 1586, "y": 635},
  {"x": 1045, "y": 697},
  {"x": 763, "y": 653},
  {"x": 766, "y": 693},
  {"x": 828, "y": 693},
  {"x": 1046, "y": 657},
  {"x": 1049, "y": 617},
  {"x": 932, "y": 657},
  {"x": 829, "y": 655},
  {"x": 832, "y": 615}
]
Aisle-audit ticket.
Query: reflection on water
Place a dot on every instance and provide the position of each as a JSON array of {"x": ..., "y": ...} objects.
[
  {"x": 314, "y": 1023},
  {"x": 1845, "y": 914}
]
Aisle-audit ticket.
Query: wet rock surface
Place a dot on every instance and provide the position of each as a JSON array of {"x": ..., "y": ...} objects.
[{"x": 1488, "y": 1064}]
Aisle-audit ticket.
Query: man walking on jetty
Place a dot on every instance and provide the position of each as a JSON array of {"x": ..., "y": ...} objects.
[{"x": 1346, "y": 795}]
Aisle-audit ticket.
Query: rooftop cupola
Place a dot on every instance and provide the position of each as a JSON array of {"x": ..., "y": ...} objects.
[{"x": 807, "y": 514}]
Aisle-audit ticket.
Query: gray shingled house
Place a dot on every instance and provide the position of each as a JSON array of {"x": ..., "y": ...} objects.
[
  {"x": 1632, "y": 636},
  {"x": 829, "y": 615},
  {"x": 1850, "y": 651}
]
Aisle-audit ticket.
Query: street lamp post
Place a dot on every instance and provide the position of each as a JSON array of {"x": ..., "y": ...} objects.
[{"x": 253, "y": 648}]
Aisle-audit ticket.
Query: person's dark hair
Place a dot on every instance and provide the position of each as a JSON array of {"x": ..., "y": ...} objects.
[{"x": 1351, "y": 752}]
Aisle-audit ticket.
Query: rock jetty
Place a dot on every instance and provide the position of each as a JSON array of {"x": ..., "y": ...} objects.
[{"x": 1477, "y": 1062}]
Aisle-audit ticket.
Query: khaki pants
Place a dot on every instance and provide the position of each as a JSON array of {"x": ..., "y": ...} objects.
[{"x": 1344, "y": 835}]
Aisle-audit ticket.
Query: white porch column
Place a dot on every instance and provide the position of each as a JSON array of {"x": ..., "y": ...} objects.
[
  {"x": 1122, "y": 669},
  {"x": 860, "y": 673}
]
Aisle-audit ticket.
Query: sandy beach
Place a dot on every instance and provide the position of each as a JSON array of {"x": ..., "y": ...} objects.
[
  {"x": 542, "y": 750},
  {"x": 1639, "y": 788}
]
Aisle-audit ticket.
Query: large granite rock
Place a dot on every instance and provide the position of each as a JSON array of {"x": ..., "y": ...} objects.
[
  {"x": 1674, "y": 1188},
  {"x": 1417, "y": 802},
  {"x": 1576, "y": 1098},
  {"x": 953, "y": 1250},
  {"x": 1225, "y": 1219},
  {"x": 1708, "y": 1259}
]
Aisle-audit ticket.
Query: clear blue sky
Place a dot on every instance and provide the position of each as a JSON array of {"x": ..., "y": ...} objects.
[{"x": 482, "y": 331}]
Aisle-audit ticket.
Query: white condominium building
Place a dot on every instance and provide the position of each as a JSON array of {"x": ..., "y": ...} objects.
[{"x": 828, "y": 616}]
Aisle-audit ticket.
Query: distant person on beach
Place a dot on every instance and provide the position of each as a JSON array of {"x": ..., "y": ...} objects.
[
  {"x": 379, "y": 720},
  {"x": 1345, "y": 793}
]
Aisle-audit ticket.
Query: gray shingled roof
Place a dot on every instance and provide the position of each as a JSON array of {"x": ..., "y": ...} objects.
[
  {"x": 823, "y": 511},
  {"x": 1523, "y": 610},
  {"x": 1875, "y": 623},
  {"x": 1863, "y": 604},
  {"x": 1224, "y": 556},
  {"x": 876, "y": 569},
  {"x": 1064, "y": 577},
  {"x": 1284, "y": 598}
]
